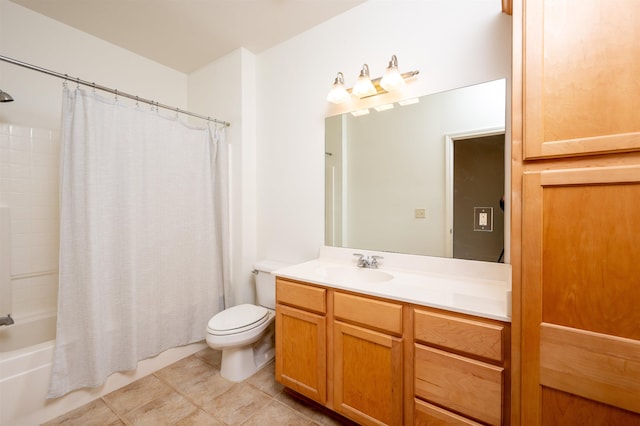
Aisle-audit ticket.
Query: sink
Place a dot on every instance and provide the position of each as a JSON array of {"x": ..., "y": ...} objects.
[{"x": 352, "y": 274}]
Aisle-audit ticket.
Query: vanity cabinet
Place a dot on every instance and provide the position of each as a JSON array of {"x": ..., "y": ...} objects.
[
  {"x": 384, "y": 362},
  {"x": 460, "y": 368},
  {"x": 367, "y": 350},
  {"x": 301, "y": 344}
]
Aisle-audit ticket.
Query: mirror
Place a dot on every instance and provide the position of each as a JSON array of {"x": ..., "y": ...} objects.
[{"x": 425, "y": 178}]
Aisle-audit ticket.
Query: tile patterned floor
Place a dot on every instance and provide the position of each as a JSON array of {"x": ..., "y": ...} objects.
[{"x": 192, "y": 392}]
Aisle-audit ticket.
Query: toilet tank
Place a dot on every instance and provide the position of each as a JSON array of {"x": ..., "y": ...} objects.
[{"x": 266, "y": 283}]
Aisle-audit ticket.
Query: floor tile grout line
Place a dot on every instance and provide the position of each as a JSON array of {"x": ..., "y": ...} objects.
[{"x": 114, "y": 411}]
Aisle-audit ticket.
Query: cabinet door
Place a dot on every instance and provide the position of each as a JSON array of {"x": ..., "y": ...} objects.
[
  {"x": 581, "y": 65},
  {"x": 581, "y": 292},
  {"x": 301, "y": 352},
  {"x": 368, "y": 375}
]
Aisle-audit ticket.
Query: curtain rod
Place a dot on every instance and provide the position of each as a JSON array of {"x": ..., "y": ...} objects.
[{"x": 107, "y": 89}]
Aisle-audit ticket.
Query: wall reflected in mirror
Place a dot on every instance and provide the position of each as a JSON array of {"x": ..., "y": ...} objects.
[{"x": 426, "y": 178}]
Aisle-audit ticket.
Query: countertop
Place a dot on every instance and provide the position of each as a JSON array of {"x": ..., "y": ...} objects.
[{"x": 458, "y": 287}]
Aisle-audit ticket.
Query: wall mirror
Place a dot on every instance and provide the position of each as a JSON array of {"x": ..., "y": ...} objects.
[{"x": 426, "y": 178}]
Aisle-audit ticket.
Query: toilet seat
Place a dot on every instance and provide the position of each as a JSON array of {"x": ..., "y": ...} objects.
[{"x": 237, "y": 319}]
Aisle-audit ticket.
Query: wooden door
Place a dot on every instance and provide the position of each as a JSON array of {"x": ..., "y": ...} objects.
[
  {"x": 581, "y": 297},
  {"x": 580, "y": 79},
  {"x": 301, "y": 352},
  {"x": 368, "y": 375}
]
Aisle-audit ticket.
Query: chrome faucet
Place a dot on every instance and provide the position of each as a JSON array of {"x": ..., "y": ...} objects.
[
  {"x": 366, "y": 261},
  {"x": 6, "y": 320}
]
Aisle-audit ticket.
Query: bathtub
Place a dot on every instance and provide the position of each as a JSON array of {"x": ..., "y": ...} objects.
[{"x": 26, "y": 351}]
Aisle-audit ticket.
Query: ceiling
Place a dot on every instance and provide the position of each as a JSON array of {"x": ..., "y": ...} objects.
[{"x": 188, "y": 34}]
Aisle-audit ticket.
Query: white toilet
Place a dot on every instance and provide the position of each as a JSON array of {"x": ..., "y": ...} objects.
[{"x": 245, "y": 333}]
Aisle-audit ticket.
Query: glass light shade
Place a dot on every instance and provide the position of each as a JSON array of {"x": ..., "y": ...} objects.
[
  {"x": 391, "y": 79},
  {"x": 337, "y": 94},
  {"x": 364, "y": 87}
]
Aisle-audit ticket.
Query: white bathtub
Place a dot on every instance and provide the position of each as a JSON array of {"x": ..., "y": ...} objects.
[{"x": 26, "y": 351}]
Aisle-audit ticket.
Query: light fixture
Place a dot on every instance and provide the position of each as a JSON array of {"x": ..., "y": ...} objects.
[
  {"x": 363, "y": 86},
  {"x": 366, "y": 87},
  {"x": 5, "y": 97},
  {"x": 338, "y": 93},
  {"x": 392, "y": 79}
]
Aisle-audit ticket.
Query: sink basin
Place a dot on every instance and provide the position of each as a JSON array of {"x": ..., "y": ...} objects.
[{"x": 352, "y": 274}]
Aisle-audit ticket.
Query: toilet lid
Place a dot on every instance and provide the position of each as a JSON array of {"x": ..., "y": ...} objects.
[{"x": 237, "y": 319}]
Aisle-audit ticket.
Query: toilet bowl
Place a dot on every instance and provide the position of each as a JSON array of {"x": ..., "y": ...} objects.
[{"x": 246, "y": 333}]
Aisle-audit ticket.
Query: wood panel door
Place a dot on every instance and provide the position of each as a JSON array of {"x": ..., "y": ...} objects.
[
  {"x": 368, "y": 375},
  {"x": 301, "y": 352},
  {"x": 581, "y": 85},
  {"x": 581, "y": 296}
]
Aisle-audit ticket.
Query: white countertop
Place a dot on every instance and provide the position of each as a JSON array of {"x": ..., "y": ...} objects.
[{"x": 477, "y": 288}]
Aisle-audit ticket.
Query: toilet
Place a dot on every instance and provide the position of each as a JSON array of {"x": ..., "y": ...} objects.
[{"x": 246, "y": 333}]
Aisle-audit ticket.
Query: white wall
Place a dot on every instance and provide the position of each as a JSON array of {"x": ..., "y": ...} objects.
[
  {"x": 227, "y": 87},
  {"x": 451, "y": 43}
]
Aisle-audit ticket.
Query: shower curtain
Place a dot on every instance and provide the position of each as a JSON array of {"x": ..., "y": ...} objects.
[{"x": 143, "y": 237}]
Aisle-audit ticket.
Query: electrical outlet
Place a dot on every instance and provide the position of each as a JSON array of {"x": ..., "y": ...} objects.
[
  {"x": 421, "y": 213},
  {"x": 483, "y": 219}
]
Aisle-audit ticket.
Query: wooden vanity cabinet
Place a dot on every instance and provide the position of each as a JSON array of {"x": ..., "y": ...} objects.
[
  {"x": 301, "y": 345},
  {"x": 384, "y": 362},
  {"x": 460, "y": 369},
  {"x": 367, "y": 348}
]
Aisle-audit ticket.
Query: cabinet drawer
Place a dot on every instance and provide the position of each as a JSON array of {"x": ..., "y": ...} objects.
[
  {"x": 467, "y": 335},
  {"x": 467, "y": 386},
  {"x": 378, "y": 314},
  {"x": 301, "y": 296},
  {"x": 427, "y": 414}
]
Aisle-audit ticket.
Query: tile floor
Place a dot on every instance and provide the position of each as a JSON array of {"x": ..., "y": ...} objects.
[{"x": 192, "y": 392}]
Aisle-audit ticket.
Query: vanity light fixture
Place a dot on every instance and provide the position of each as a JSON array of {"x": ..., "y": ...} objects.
[
  {"x": 338, "y": 93},
  {"x": 366, "y": 87}
]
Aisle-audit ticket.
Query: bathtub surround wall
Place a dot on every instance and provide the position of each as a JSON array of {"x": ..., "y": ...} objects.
[{"x": 29, "y": 187}]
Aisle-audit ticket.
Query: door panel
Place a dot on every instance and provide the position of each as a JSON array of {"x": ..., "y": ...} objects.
[{"x": 581, "y": 283}]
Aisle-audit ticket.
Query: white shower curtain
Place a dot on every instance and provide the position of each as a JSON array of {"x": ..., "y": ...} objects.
[{"x": 143, "y": 237}]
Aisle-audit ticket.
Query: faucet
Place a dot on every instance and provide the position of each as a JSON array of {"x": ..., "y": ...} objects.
[
  {"x": 6, "y": 320},
  {"x": 366, "y": 261}
]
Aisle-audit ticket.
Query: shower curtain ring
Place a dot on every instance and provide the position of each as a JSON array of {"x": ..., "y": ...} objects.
[
  {"x": 94, "y": 87},
  {"x": 77, "y": 83}
]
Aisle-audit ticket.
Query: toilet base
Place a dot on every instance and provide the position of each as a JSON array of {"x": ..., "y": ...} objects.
[{"x": 241, "y": 362}]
